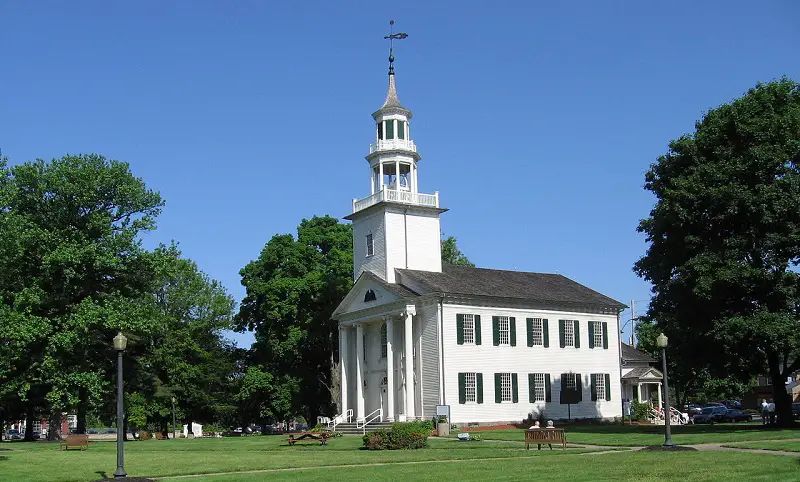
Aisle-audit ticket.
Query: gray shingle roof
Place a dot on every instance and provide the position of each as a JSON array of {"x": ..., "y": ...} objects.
[
  {"x": 539, "y": 287},
  {"x": 630, "y": 353},
  {"x": 399, "y": 290}
]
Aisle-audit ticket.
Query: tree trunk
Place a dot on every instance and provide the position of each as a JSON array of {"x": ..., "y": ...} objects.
[
  {"x": 29, "y": 422},
  {"x": 54, "y": 426},
  {"x": 783, "y": 407},
  {"x": 83, "y": 396},
  {"x": 189, "y": 431}
]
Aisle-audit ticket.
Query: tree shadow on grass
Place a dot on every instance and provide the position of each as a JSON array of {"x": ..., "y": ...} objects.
[{"x": 676, "y": 429}]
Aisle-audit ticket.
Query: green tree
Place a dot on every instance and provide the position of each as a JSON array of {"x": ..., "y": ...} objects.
[
  {"x": 452, "y": 255},
  {"x": 71, "y": 263},
  {"x": 724, "y": 238},
  {"x": 292, "y": 289}
]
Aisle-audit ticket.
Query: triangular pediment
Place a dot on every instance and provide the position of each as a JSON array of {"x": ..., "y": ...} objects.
[{"x": 368, "y": 292}]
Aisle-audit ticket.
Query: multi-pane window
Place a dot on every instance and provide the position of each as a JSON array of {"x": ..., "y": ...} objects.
[
  {"x": 469, "y": 329},
  {"x": 470, "y": 387},
  {"x": 384, "y": 341},
  {"x": 597, "y": 334},
  {"x": 390, "y": 129},
  {"x": 505, "y": 387},
  {"x": 569, "y": 333},
  {"x": 537, "y": 332},
  {"x": 401, "y": 129},
  {"x": 599, "y": 386},
  {"x": 505, "y": 332},
  {"x": 539, "y": 387},
  {"x": 370, "y": 245},
  {"x": 569, "y": 382}
]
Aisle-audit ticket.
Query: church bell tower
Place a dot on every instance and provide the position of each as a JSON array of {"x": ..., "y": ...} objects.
[{"x": 396, "y": 226}]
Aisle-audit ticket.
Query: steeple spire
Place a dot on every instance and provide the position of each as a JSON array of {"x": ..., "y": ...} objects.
[{"x": 391, "y": 94}]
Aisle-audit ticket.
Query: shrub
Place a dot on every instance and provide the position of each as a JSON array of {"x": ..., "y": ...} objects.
[
  {"x": 377, "y": 440},
  {"x": 640, "y": 411},
  {"x": 402, "y": 436}
]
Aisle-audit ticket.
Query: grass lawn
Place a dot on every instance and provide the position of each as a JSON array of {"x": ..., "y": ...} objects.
[
  {"x": 641, "y": 435},
  {"x": 639, "y": 466},
  {"x": 784, "y": 446},
  {"x": 42, "y": 461}
]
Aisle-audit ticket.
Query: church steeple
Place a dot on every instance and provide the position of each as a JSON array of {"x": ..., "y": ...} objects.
[{"x": 396, "y": 226}]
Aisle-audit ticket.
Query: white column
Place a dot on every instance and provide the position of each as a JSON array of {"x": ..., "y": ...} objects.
[
  {"x": 389, "y": 370},
  {"x": 639, "y": 392},
  {"x": 409, "y": 351},
  {"x": 359, "y": 375},
  {"x": 396, "y": 174},
  {"x": 380, "y": 174},
  {"x": 343, "y": 352},
  {"x": 659, "y": 395}
]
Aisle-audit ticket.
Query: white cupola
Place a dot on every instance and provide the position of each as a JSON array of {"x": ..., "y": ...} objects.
[{"x": 396, "y": 226}]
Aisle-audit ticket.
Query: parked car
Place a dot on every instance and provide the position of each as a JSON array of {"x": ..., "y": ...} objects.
[
  {"x": 709, "y": 414},
  {"x": 12, "y": 434},
  {"x": 734, "y": 415},
  {"x": 796, "y": 410},
  {"x": 693, "y": 410}
]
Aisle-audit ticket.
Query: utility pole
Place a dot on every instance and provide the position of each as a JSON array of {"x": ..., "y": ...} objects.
[{"x": 633, "y": 323}]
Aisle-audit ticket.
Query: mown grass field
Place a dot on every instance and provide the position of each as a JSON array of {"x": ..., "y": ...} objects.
[
  {"x": 643, "y": 435},
  {"x": 788, "y": 446},
  {"x": 500, "y": 456}
]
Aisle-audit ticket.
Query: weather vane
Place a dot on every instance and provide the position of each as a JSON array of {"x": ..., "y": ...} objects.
[{"x": 392, "y": 36}]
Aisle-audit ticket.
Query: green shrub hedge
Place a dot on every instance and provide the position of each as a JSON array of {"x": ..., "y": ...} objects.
[{"x": 402, "y": 436}]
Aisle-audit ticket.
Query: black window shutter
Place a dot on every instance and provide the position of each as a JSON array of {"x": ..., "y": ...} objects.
[
  {"x": 479, "y": 387},
  {"x": 608, "y": 387},
  {"x": 548, "y": 397},
  {"x": 605, "y": 335},
  {"x": 460, "y": 329},
  {"x": 498, "y": 388},
  {"x": 579, "y": 386},
  {"x": 477, "y": 322},
  {"x": 462, "y": 388},
  {"x": 514, "y": 388},
  {"x": 545, "y": 333},
  {"x": 495, "y": 331},
  {"x": 591, "y": 334},
  {"x": 531, "y": 388},
  {"x": 577, "y": 334},
  {"x": 561, "y": 336},
  {"x": 593, "y": 386},
  {"x": 512, "y": 329},
  {"x": 529, "y": 322}
]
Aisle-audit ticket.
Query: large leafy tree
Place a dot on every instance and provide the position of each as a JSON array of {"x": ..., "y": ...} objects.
[
  {"x": 724, "y": 239},
  {"x": 292, "y": 289},
  {"x": 71, "y": 264}
]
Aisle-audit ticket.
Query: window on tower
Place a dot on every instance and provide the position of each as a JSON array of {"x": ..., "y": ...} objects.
[
  {"x": 390, "y": 129},
  {"x": 380, "y": 131},
  {"x": 401, "y": 129},
  {"x": 370, "y": 245}
]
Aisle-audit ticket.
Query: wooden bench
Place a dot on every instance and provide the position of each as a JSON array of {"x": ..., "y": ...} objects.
[
  {"x": 75, "y": 440},
  {"x": 547, "y": 436},
  {"x": 309, "y": 437}
]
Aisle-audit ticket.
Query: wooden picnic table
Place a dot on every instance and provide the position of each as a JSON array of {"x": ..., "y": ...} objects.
[{"x": 306, "y": 437}]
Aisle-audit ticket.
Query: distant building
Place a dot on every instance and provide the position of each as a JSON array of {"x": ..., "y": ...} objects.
[{"x": 640, "y": 380}]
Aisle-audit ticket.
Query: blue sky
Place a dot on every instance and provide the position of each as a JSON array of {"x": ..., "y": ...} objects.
[{"x": 536, "y": 121}]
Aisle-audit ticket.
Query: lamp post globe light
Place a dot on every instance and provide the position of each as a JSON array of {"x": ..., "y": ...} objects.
[
  {"x": 661, "y": 341},
  {"x": 120, "y": 343}
]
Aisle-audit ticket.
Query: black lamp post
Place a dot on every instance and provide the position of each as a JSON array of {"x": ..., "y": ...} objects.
[
  {"x": 120, "y": 342},
  {"x": 173, "y": 418},
  {"x": 661, "y": 341}
]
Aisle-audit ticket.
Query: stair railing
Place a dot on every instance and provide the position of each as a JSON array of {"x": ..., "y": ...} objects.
[
  {"x": 347, "y": 415},
  {"x": 375, "y": 415}
]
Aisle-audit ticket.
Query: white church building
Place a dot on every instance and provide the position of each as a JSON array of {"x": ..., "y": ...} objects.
[{"x": 492, "y": 345}]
